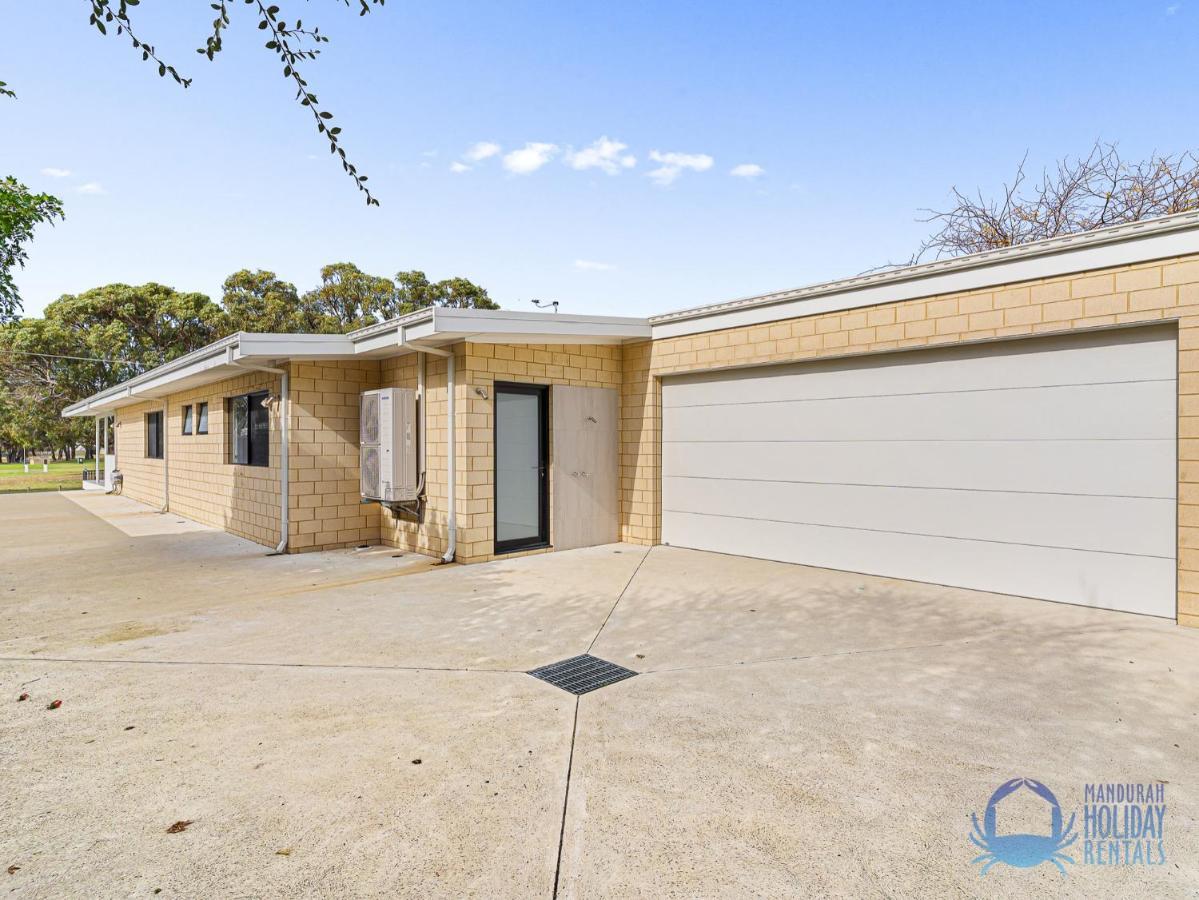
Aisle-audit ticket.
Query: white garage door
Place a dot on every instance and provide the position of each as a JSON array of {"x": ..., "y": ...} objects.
[{"x": 1041, "y": 467}]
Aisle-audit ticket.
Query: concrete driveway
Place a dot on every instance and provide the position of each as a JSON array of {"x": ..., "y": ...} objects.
[{"x": 359, "y": 723}]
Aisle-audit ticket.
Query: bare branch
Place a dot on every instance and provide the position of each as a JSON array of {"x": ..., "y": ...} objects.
[{"x": 1095, "y": 191}]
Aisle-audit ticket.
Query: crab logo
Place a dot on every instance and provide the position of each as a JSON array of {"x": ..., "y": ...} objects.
[{"x": 1024, "y": 851}]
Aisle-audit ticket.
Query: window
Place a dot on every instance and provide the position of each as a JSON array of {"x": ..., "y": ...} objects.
[
  {"x": 201, "y": 418},
  {"x": 154, "y": 435},
  {"x": 187, "y": 419},
  {"x": 249, "y": 430}
]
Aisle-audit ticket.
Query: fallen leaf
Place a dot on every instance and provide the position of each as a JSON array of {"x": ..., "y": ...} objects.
[
  {"x": 54, "y": 704},
  {"x": 179, "y": 826},
  {"x": 12, "y": 870},
  {"x": 286, "y": 851},
  {"x": 22, "y": 697},
  {"x": 416, "y": 762}
]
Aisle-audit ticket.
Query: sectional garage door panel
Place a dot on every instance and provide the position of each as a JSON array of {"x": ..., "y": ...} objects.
[
  {"x": 1019, "y": 414},
  {"x": 1043, "y": 467},
  {"x": 1130, "y": 583},
  {"x": 1120, "y": 468}
]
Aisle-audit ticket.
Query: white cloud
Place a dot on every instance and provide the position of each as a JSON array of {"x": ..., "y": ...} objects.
[
  {"x": 92, "y": 187},
  {"x": 605, "y": 154},
  {"x": 531, "y": 157},
  {"x": 481, "y": 151},
  {"x": 746, "y": 170},
  {"x": 673, "y": 164},
  {"x": 458, "y": 168},
  {"x": 1173, "y": 8},
  {"x": 51, "y": 172},
  {"x": 590, "y": 265}
]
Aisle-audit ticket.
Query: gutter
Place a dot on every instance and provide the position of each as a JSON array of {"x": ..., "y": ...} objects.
[{"x": 285, "y": 434}]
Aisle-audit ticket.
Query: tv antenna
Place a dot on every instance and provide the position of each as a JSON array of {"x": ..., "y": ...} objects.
[{"x": 542, "y": 304}]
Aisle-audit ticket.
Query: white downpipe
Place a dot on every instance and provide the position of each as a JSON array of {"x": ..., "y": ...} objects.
[
  {"x": 96, "y": 473},
  {"x": 285, "y": 439},
  {"x": 452, "y": 454},
  {"x": 284, "y": 471},
  {"x": 166, "y": 458},
  {"x": 451, "y": 439}
]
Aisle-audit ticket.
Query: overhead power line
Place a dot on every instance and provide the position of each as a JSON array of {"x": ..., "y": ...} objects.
[{"x": 127, "y": 362}]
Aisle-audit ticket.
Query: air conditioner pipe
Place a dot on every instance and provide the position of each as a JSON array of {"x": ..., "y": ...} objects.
[
  {"x": 451, "y": 444},
  {"x": 284, "y": 413}
]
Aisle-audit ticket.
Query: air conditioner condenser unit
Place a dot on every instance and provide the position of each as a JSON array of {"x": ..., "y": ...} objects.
[{"x": 387, "y": 445}]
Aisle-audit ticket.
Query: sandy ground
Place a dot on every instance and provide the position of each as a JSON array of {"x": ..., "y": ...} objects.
[{"x": 792, "y": 731}]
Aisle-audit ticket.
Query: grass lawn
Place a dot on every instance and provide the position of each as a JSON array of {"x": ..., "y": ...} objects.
[{"x": 63, "y": 476}]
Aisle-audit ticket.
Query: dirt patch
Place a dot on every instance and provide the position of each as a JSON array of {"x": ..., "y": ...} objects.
[{"x": 130, "y": 631}]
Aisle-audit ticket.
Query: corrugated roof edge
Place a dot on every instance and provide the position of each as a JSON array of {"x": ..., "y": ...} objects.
[{"x": 1114, "y": 234}]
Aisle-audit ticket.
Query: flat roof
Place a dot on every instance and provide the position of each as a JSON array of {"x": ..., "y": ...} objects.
[
  {"x": 1119, "y": 245},
  {"x": 430, "y": 327}
]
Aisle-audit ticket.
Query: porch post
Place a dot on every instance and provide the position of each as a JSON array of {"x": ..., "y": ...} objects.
[{"x": 96, "y": 472}]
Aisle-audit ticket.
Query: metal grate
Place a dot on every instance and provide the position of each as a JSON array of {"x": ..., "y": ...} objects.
[{"x": 581, "y": 674}]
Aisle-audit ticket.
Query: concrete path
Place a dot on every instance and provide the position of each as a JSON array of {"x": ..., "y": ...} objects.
[{"x": 793, "y": 731}]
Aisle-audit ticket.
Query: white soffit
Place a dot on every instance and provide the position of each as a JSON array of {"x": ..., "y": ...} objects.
[{"x": 1121, "y": 245}]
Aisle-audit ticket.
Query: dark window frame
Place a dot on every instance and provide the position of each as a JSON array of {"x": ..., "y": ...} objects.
[
  {"x": 202, "y": 418},
  {"x": 155, "y": 433},
  {"x": 257, "y": 430},
  {"x": 187, "y": 426},
  {"x": 542, "y": 538}
]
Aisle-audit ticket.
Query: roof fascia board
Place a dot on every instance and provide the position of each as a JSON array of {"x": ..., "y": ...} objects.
[
  {"x": 499, "y": 323},
  {"x": 1125, "y": 245}
]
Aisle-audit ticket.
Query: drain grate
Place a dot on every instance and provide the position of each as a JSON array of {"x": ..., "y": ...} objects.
[{"x": 581, "y": 674}]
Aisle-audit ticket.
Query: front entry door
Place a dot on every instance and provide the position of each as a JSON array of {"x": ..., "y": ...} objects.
[{"x": 521, "y": 482}]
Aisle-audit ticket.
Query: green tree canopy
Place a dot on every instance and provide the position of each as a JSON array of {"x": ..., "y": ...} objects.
[
  {"x": 20, "y": 212},
  {"x": 349, "y": 297},
  {"x": 85, "y": 343},
  {"x": 262, "y": 301},
  {"x": 414, "y": 291}
]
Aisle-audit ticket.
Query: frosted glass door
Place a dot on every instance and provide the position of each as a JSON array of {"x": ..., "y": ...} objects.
[{"x": 520, "y": 481}]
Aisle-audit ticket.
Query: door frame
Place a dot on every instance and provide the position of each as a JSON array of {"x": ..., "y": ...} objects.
[{"x": 542, "y": 538}]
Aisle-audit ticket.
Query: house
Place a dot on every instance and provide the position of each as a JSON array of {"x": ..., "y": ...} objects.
[{"x": 1023, "y": 421}]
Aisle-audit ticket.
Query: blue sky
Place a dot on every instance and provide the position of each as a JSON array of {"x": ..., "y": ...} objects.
[{"x": 857, "y": 115}]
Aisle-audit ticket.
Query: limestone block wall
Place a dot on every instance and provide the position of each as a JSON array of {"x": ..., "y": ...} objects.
[{"x": 1162, "y": 290}]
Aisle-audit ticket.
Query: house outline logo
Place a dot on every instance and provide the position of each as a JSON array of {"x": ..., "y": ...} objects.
[{"x": 1022, "y": 851}]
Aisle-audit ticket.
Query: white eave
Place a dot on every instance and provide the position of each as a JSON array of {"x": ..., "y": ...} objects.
[
  {"x": 1120, "y": 245},
  {"x": 434, "y": 327},
  {"x": 226, "y": 358},
  {"x": 438, "y": 326}
]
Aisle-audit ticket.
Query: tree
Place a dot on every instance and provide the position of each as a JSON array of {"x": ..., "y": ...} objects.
[
  {"x": 88, "y": 342},
  {"x": 349, "y": 297},
  {"x": 144, "y": 325},
  {"x": 1090, "y": 192},
  {"x": 261, "y": 301},
  {"x": 293, "y": 45},
  {"x": 20, "y": 212},
  {"x": 414, "y": 291}
]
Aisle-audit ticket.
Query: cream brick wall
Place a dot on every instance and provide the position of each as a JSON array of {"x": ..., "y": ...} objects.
[
  {"x": 479, "y": 366},
  {"x": 1162, "y": 290},
  {"x": 204, "y": 485},
  {"x": 325, "y": 503},
  {"x": 142, "y": 476}
]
